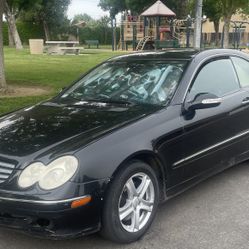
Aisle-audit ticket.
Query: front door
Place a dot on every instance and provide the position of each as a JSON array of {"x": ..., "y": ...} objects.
[{"x": 212, "y": 136}]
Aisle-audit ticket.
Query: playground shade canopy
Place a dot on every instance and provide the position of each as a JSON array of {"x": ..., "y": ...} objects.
[{"x": 158, "y": 9}]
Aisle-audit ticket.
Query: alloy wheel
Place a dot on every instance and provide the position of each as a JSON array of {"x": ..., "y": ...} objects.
[{"x": 136, "y": 202}]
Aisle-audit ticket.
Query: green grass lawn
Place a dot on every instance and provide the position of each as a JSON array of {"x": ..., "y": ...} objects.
[{"x": 54, "y": 72}]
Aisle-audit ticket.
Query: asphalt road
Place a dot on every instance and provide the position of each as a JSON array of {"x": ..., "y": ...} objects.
[{"x": 212, "y": 215}]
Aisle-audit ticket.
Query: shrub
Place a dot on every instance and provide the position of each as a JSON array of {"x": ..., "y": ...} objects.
[{"x": 27, "y": 30}]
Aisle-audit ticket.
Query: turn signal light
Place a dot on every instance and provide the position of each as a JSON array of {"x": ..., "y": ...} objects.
[{"x": 81, "y": 202}]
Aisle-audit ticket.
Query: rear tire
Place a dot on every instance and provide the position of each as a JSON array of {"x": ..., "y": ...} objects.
[{"x": 131, "y": 203}]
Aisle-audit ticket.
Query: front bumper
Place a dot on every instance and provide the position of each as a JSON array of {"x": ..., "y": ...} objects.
[{"x": 54, "y": 219}]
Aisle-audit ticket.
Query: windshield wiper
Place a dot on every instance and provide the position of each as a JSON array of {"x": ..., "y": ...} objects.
[{"x": 117, "y": 101}]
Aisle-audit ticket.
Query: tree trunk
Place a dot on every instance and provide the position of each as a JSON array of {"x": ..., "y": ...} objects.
[
  {"x": 217, "y": 32},
  {"x": 11, "y": 40},
  {"x": 10, "y": 17},
  {"x": 46, "y": 30},
  {"x": 227, "y": 21},
  {"x": 106, "y": 35},
  {"x": 2, "y": 74}
]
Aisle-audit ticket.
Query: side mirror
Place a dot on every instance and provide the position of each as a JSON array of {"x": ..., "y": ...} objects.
[{"x": 203, "y": 101}]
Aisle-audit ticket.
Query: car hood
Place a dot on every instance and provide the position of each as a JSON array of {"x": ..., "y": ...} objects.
[{"x": 59, "y": 128}]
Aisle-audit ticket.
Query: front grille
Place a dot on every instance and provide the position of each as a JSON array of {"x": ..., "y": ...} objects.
[{"x": 6, "y": 170}]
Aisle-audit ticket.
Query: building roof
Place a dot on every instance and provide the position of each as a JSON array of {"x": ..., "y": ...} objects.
[{"x": 158, "y": 9}]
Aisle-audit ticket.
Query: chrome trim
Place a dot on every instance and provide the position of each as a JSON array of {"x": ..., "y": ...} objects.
[
  {"x": 244, "y": 102},
  {"x": 7, "y": 165},
  {"x": 209, "y": 148},
  {"x": 42, "y": 202},
  {"x": 6, "y": 171},
  {"x": 3, "y": 176},
  {"x": 212, "y": 101}
]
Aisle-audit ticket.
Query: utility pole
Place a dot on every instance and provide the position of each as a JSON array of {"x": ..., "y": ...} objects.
[{"x": 198, "y": 24}]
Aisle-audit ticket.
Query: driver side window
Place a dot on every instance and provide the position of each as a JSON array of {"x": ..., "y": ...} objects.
[{"x": 217, "y": 77}]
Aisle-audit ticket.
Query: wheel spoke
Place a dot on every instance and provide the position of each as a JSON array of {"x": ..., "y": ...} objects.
[
  {"x": 125, "y": 211},
  {"x": 131, "y": 188},
  {"x": 143, "y": 186},
  {"x": 136, "y": 217},
  {"x": 146, "y": 205}
]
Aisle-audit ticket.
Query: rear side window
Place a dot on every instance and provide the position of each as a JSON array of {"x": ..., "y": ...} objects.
[
  {"x": 242, "y": 68},
  {"x": 217, "y": 77}
]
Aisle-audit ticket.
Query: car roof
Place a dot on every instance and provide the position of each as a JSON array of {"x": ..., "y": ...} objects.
[
  {"x": 181, "y": 54},
  {"x": 178, "y": 54}
]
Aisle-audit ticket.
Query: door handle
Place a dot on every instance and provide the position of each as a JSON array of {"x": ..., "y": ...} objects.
[{"x": 245, "y": 101}]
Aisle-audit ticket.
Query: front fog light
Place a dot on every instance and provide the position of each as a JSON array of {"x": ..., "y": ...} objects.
[{"x": 51, "y": 176}]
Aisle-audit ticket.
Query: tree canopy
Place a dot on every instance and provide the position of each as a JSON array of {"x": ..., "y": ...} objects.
[
  {"x": 229, "y": 8},
  {"x": 51, "y": 14},
  {"x": 16, "y": 6},
  {"x": 212, "y": 9},
  {"x": 178, "y": 6},
  {"x": 138, "y": 6},
  {"x": 113, "y": 6}
]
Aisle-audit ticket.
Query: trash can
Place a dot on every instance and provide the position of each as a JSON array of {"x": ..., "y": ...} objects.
[{"x": 36, "y": 46}]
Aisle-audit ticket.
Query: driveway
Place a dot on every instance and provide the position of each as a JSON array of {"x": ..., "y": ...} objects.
[{"x": 214, "y": 214}]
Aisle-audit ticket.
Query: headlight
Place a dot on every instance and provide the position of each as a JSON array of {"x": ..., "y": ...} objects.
[
  {"x": 31, "y": 175},
  {"x": 51, "y": 176}
]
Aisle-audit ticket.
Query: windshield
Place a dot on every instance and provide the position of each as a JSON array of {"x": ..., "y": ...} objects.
[{"x": 148, "y": 82}]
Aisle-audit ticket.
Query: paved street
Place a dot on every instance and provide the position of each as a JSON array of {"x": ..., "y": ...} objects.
[{"x": 212, "y": 215}]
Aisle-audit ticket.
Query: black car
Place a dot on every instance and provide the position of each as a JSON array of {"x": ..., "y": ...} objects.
[{"x": 133, "y": 132}]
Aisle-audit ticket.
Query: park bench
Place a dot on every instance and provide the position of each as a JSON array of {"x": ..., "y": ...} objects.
[{"x": 92, "y": 42}]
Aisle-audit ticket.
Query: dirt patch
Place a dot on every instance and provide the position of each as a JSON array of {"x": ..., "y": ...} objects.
[{"x": 24, "y": 91}]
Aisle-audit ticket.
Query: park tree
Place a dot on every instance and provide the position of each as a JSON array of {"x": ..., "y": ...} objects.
[
  {"x": 138, "y": 6},
  {"x": 2, "y": 74},
  {"x": 113, "y": 6},
  {"x": 12, "y": 10},
  {"x": 229, "y": 8},
  {"x": 245, "y": 11},
  {"x": 104, "y": 23},
  {"x": 213, "y": 10},
  {"x": 82, "y": 17},
  {"x": 51, "y": 14},
  {"x": 100, "y": 28},
  {"x": 178, "y": 6}
]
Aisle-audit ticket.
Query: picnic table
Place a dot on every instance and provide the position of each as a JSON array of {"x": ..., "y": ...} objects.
[{"x": 63, "y": 47}]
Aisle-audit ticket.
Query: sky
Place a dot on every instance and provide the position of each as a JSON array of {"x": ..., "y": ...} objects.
[{"x": 86, "y": 6}]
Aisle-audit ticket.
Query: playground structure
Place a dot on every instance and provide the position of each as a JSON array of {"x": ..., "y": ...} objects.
[{"x": 155, "y": 28}]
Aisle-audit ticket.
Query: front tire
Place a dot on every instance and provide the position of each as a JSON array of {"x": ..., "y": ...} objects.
[{"x": 131, "y": 203}]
